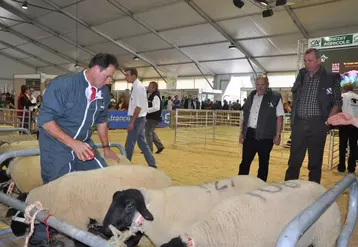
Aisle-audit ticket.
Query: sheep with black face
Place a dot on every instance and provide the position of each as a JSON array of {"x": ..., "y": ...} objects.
[
  {"x": 163, "y": 213},
  {"x": 80, "y": 196}
]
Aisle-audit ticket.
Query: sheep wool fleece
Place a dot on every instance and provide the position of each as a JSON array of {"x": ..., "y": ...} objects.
[
  {"x": 25, "y": 172},
  {"x": 175, "y": 208},
  {"x": 67, "y": 102},
  {"x": 80, "y": 196},
  {"x": 257, "y": 218}
]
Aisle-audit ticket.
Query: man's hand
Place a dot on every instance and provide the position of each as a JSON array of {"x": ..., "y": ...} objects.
[
  {"x": 277, "y": 140},
  {"x": 82, "y": 150},
  {"x": 241, "y": 139},
  {"x": 130, "y": 127},
  {"x": 340, "y": 119},
  {"x": 110, "y": 154}
]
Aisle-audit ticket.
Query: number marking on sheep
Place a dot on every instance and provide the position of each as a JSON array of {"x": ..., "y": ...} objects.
[
  {"x": 217, "y": 187},
  {"x": 274, "y": 188}
]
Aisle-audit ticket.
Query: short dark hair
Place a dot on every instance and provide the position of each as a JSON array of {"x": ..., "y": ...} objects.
[
  {"x": 348, "y": 87},
  {"x": 23, "y": 88},
  {"x": 103, "y": 60},
  {"x": 317, "y": 53},
  {"x": 133, "y": 71}
]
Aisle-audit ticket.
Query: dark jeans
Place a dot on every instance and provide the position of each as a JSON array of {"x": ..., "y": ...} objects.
[
  {"x": 347, "y": 134},
  {"x": 138, "y": 135},
  {"x": 151, "y": 136},
  {"x": 307, "y": 134},
  {"x": 252, "y": 146}
]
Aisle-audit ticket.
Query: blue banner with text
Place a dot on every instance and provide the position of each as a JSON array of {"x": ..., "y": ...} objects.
[{"x": 120, "y": 119}]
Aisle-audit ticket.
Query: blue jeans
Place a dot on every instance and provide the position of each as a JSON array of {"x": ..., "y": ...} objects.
[{"x": 138, "y": 134}]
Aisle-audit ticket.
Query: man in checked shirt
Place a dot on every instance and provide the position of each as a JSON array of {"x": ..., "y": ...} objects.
[{"x": 316, "y": 96}]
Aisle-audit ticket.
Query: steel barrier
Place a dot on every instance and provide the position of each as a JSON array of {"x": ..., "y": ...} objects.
[{"x": 295, "y": 229}]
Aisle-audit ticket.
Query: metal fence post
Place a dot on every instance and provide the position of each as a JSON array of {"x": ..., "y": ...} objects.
[{"x": 296, "y": 228}]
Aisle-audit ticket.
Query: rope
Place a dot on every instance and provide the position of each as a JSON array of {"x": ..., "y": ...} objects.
[
  {"x": 31, "y": 219},
  {"x": 119, "y": 238},
  {"x": 11, "y": 188}
]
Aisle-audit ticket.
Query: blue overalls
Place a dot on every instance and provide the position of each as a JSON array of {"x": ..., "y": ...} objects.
[{"x": 66, "y": 101}]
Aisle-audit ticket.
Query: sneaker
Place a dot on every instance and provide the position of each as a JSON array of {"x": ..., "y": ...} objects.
[{"x": 53, "y": 243}]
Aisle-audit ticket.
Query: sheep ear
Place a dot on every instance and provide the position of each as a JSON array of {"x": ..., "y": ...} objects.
[
  {"x": 116, "y": 194},
  {"x": 142, "y": 209},
  {"x": 140, "y": 203}
]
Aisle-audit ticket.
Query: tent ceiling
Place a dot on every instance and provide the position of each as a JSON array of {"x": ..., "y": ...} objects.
[{"x": 173, "y": 35}]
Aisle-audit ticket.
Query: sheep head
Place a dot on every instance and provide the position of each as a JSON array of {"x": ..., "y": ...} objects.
[
  {"x": 174, "y": 242},
  {"x": 125, "y": 206}
]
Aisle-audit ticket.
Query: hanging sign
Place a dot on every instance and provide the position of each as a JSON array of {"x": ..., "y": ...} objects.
[{"x": 334, "y": 41}]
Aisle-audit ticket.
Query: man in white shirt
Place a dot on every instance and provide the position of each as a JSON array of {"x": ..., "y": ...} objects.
[
  {"x": 348, "y": 133},
  {"x": 137, "y": 110},
  {"x": 261, "y": 127}
]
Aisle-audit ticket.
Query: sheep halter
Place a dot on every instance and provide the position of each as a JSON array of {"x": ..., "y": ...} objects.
[{"x": 119, "y": 238}]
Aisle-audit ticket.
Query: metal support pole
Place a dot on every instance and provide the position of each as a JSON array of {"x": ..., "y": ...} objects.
[
  {"x": 295, "y": 229},
  {"x": 115, "y": 145},
  {"x": 214, "y": 123},
  {"x": 36, "y": 151},
  {"x": 330, "y": 150},
  {"x": 176, "y": 125},
  {"x": 350, "y": 224},
  {"x": 18, "y": 153},
  {"x": 69, "y": 230},
  {"x": 206, "y": 127},
  {"x": 26, "y": 131}
]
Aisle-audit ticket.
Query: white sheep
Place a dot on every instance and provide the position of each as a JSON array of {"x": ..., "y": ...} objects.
[
  {"x": 163, "y": 213},
  {"x": 257, "y": 218},
  {"x": 26, "y": 171},
  {"x": 80, "y": 196}
]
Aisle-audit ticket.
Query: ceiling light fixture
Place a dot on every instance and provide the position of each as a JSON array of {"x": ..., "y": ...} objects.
[
  {"x": 281, "y": 2},
  {"x": 238, "y": 3},
  {"x": 263, "y": 2},
  {"x": 232, "y": 47},
  {"x": 136, "y": 58},
  {"x": 24, "y": 5},
  {"x": 267, "y": 13}
]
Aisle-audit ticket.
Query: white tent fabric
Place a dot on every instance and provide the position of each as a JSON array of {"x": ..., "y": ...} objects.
[{"x": 181, "y": 36}]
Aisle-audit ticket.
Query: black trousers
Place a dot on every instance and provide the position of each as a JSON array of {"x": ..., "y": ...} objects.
[
  {"x": 307, "y": 134},
  {"x": 348, "y": 134},
  {"x": 252, "y": 146}
]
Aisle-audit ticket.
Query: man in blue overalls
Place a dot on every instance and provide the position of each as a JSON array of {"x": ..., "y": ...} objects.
[{"x": 71, "y": 105}]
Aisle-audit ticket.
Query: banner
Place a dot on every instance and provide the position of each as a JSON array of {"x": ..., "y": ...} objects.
[
  {"x": 334, "y": 41},
  {"x": 120, "y": 119}
]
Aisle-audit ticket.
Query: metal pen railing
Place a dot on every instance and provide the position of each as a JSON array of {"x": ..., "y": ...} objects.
[
  {"x": 36, "y": 151},
  {"x": 296, "y": 228},
  {"x": 69, "y": 230}
]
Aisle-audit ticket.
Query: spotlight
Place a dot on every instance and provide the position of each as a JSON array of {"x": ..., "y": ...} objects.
[
  {"x": 232, "y": 47},
  {"x": 76, "y": 66},
  {"x": 238, "y": 3},
  {"x": 263, "y": 2},
  {"x": 136, "y": 58},
  {"x": 24, "y": 5},
  {"x": 281, "y": 2},
  {"x": 267, "y": 13}
]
